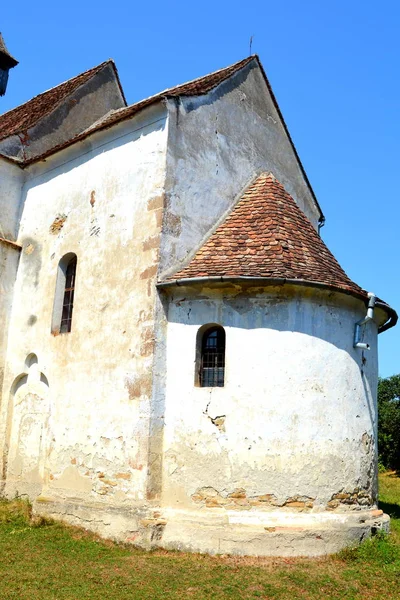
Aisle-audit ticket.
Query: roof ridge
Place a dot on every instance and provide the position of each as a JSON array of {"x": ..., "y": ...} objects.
[
  {"x": 95, "y": 68},
  {"x": 234, "y": 66},
  {"x": 176, "y": 88}
]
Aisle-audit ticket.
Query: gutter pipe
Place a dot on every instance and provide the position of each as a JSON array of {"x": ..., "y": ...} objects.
[
  {"x": 368, "y": 317},
  {"x": 321, "y": 223}
]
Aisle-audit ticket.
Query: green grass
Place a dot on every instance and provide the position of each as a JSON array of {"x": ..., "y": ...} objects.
[{"x": 42, "y": 560}]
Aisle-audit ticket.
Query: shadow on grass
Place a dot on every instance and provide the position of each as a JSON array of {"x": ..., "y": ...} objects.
[{"x": 393, "y": 510}]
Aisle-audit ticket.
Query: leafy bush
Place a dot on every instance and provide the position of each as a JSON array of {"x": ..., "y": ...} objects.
[{"x": 389, "y": 422}]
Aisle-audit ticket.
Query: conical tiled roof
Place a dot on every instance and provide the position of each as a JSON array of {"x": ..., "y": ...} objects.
[{"x": 267, "y": 235}]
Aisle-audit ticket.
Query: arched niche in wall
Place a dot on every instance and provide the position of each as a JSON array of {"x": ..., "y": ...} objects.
[
  {"x": 61, "y": 321},
  {"x": 26, "y": 436},
  {"x": 30, "y": 360}
]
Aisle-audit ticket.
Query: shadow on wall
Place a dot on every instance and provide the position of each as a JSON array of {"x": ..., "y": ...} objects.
[
  {"x": 325, "y": 315},
  {"x": 144, "y": 128}
]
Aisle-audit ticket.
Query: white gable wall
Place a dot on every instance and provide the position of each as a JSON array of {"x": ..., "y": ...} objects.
[{"x": 217, "y": 144}]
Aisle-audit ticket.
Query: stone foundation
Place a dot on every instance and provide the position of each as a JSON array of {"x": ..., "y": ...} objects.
[{"x": 220, "y": 530}]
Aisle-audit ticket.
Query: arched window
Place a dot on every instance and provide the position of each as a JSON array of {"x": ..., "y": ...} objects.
[
  {"x": 211, "y": 356},
  {"x": 68, "y": 302},
  {"x": 64, "y": 296}
]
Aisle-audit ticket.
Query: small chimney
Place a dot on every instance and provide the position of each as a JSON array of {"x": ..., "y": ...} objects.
[{"x": 7, "y": 62}]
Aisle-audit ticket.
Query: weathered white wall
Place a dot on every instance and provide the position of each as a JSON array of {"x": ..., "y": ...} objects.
[
  {"x": 102, "y": 423},
  {"x": 9, "y": 257},
  {"x": 11, "y": 182},
  {"x": 101, "y": 200},
  {"x": 217, "y": 143},
  {"x": 297, "y": 413}
]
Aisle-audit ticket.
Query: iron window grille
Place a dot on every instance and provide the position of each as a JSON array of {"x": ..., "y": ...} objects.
[
  {"x": 212, "y": 367},
  {"x": 68, "y": 301}
]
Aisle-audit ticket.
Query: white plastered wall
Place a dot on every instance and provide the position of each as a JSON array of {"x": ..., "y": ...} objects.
[
  {"x": 11, "y": 183},
  {"x": 218, "y": 143},
  {"x": 12, "y": 180},
  {"x": 102, "y": 200},
  {"x": 298, "y": 409}
]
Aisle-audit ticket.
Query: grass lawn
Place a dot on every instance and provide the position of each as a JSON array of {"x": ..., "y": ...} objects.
[{"x": 54, "y": 562}]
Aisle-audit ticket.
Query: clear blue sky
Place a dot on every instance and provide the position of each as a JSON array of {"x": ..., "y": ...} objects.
[{"x": 334, "y": 67}]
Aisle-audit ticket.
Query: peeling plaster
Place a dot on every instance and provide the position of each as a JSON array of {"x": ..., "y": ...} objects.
[{"x": 106, "y": 429}]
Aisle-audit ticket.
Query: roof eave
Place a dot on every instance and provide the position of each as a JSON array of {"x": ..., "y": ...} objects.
[
  {"x": 9, "y": 61},
  {"x": 280, "y": 281},
  {"x": 13, "y": 161}
]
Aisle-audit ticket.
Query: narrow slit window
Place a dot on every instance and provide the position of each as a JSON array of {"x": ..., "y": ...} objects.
[
  {"x": 212, "y": 360},
  {"x": 64, "y": 296},
  {"x": 68, "y": 302}
]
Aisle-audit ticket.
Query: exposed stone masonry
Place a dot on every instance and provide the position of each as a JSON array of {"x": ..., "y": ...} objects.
[
  {"x": 353, "y": 499},
  {"x": 238, "y": 499}
]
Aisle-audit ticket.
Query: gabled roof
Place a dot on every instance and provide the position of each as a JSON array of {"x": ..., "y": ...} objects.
[
  {"x": 203, "y": 85},
  {"x": 196, "y": 87},
  {"x": 15, "y": 119},
  {"x": 267, "y": 235},
  {"x": 19, "y": 120}
]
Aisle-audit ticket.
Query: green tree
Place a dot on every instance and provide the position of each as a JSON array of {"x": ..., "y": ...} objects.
[{"x": 389, "y": 422}]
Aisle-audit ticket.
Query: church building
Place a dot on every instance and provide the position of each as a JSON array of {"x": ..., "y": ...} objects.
[{"x": 183, "y": 362}]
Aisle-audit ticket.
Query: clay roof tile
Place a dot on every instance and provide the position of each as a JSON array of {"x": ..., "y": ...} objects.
[
  {"x": 25, "y": 116},
  {"x": 279, "y": 224}
]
